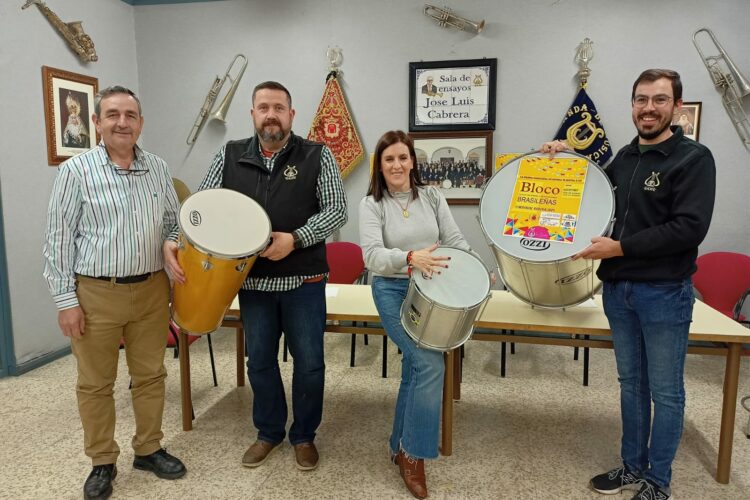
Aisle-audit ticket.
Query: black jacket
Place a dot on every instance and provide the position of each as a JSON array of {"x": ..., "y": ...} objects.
[
  {"x": 664, "y": 201},
  {"x": 288, "y": 194}
]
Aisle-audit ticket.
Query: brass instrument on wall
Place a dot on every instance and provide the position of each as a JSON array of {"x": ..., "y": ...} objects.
[
  {"x": 730, "y": 82},
  {"x": 221, "y": 110},
  {"x": 446, "y": 18},
  {"x": 73, "y": 32}
]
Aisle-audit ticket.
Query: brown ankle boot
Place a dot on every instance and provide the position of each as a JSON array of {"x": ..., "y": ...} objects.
[{"x": 412, "y": 471}]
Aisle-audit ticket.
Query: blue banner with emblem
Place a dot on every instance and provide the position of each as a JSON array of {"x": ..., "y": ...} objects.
[{"x": 583, "y": 131}]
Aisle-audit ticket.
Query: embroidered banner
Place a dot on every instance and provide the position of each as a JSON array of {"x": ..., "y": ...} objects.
[
  {"x": 333, "y": 125},
  {"x": 583, "y": 131}
]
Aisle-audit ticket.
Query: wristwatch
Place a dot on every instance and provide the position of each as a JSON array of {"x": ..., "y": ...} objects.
[{"x": 297, "y": 240}]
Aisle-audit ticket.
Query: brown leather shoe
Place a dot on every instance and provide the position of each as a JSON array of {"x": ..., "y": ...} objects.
[
  {"x": 306, "y": 455},
  {"x": 258, "y": 453},
  {"x": 412, "y": 471}
]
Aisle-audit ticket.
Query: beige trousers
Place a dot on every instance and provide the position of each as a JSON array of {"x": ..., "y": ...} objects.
[{"x": 139, "y": 314}]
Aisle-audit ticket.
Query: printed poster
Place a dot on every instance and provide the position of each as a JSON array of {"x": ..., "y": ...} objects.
[{"x": 547, "y": 199}]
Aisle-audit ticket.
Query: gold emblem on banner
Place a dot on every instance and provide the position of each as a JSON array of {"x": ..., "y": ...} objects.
[{"x": 573, "y": 135}]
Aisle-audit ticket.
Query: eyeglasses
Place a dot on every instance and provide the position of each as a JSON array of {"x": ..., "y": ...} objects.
[
  {"x": 127, "y": 171},
  {"x": 659, "y": 101}
]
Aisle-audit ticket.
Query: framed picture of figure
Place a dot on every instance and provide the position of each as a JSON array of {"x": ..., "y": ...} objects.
[
  {"x": 459, "y": 163},
  {"x": 452, "y": 95},
  {"x": 689, "y": 118},
  {"x": 68, "y": 106}
]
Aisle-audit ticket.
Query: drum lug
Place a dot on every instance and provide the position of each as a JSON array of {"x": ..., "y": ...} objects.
[
  {"x": 241, "y": 267},
  {"x": 207, "y": 265},
  {"x": 181, "y": 245}
]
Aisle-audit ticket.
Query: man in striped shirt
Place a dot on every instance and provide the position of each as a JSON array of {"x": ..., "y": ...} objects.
[
  {"x": 299, "y": 185},
  {"x": 110, "y": 211}
]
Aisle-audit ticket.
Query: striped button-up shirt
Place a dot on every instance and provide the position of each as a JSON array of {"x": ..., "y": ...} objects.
[
  {"x": 101, "y": 223},
  {"x": 332, "y": 215}
]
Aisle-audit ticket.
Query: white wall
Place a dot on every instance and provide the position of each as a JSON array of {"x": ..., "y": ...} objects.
[
  {"x": 29, "y": 42},
  {"x": 180, "y": 48}
]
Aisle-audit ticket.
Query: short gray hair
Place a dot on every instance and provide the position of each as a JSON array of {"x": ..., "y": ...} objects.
[{"x": 114, "y": 89}]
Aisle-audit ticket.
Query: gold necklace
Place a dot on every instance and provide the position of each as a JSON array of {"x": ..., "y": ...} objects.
[{"x": 404, "y": 209}]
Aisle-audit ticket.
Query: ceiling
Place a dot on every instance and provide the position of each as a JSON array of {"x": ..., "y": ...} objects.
[{"x": 156, "y": 2}]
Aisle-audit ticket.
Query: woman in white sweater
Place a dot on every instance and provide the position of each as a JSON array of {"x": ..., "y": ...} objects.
[{"x": 401, "y": 222}]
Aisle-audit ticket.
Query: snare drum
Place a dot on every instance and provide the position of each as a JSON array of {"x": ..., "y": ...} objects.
[
  {"x": 221, "y": 234},
  {"x": 539, "y": 269},
  {"x": 438, "y": 313}
]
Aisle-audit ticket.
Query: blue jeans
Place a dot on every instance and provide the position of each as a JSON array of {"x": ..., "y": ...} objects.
[
  {"x": 417, "y": 420},
  {"x": 301, "y": 315},
  {"x": 650, "y": 323}
]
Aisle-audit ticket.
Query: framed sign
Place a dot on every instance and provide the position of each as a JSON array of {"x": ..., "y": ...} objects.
[
  {"x": 68, "y": 106},
  {"x": 452, "y": 95},
  {"x": 689, "y": 118},
  {"x": 459, "y": 163}
]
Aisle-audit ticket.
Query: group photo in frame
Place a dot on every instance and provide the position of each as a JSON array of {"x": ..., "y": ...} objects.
[
  {"x": 688, "y": 116},
  {"x": 68, "y": 106},
  {"x": 452, "y": 95},
  {"x": 458, "y": 163}
]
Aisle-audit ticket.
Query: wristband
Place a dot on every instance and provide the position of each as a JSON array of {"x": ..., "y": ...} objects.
[{"x": 408, "y": 257}]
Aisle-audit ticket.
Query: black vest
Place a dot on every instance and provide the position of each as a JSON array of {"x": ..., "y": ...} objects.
[{"x": 288, "y": 195}]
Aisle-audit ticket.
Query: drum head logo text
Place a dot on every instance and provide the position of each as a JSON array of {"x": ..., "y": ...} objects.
[
  {"x": 536, "y": 245},
  {"x": 572, "y": 278},
  {"x": 195, "y": 218}
]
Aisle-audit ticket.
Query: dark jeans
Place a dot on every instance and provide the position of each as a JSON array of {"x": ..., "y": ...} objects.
[
  {"x": 301, "y": 315},
  {"x": 650, "y": 323}
]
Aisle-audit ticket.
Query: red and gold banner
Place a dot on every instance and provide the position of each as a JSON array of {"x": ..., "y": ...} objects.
[{"x": 333, "y": 125}]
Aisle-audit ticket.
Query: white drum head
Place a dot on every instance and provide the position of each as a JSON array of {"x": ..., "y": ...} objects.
[
  {"x": 465, "y": 283},
  {"x": 224, "y": 223},
  {"x": 594, "y": 217}
]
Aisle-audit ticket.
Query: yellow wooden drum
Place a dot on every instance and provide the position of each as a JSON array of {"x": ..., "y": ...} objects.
[{"x": 221, "y": 234}]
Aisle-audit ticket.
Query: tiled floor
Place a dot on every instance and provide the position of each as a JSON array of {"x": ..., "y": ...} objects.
[{"x": 536, "y": 434}]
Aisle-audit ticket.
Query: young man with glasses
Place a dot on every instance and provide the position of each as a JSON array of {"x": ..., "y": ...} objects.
[
  {"x": 110, "y": 211},
  {"x": 665, "y": 188}
]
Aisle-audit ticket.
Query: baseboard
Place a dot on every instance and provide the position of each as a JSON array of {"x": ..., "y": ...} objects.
[{"x": 40, "y": 361}]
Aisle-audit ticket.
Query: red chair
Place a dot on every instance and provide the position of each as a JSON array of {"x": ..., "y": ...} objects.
[
  {"x": 346, "y": 266},
  {"x": 723, "y": 280}
]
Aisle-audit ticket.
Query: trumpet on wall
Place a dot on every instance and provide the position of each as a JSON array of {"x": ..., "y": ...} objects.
[{"x": 447, "y": 19}]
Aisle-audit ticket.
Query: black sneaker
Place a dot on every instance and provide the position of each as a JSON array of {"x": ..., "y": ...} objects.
[
  {"x": 615, "y": 481},
  {"x": 650, "y": 491}
]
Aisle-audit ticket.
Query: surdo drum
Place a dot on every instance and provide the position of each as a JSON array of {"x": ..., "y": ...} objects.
[
  {"x": 438, "y": 313},
  {"x": 221, "y": 234},
  {"x": 536, "y": 267}
]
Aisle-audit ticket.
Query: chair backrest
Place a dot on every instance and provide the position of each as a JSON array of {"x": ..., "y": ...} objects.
[
  {"x": 721, "y": 279},
  {"x": 181, "y": 188},
  {"x": 344, "y": 261}
]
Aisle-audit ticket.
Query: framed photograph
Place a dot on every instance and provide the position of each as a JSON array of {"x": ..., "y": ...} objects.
[
  {"x": 689, "y": 118},
  {"x": 68, "y": 106},
  {"x": 459, "y": 163},
  {"x": 452, "y": 95}
]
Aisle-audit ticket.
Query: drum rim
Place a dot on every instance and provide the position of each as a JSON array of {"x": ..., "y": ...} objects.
[
  {"x": 221, "y": 255},
  {"x": 538, "y": 153}
]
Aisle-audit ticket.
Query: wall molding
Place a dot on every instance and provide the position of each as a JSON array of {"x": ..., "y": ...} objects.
[{"x": 40, "y": 361}]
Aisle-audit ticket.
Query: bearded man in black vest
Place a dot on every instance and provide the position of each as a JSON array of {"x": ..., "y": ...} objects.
[{"x": 298, "y": 184}]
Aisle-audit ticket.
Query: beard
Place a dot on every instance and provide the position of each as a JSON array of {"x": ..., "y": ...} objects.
[
  {"x": 663, "y": 123},
  {"x": 267, "y": 135}
]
